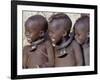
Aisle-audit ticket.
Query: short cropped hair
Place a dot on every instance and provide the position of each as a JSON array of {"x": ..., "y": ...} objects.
[
  {"x": 65, "y": 18},
  {"x": 83, "y": 20},
  {"x": 41, "y": 20}
]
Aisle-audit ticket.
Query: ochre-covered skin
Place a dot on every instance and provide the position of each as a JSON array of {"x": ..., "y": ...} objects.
[
  {"x": 41, "y": 57},
  {"x": 73, "y": 57}
]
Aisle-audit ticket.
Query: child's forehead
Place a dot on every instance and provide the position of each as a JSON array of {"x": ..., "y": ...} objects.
[{"x": 81, "y": 24}]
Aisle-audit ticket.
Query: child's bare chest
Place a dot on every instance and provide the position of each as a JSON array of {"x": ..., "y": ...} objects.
[
  {"x": 37, "y": 57},
  {"x": 65, "y": 60}
]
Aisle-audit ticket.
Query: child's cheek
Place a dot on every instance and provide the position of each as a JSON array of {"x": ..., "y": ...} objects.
[{"x": 77, "y": 39}]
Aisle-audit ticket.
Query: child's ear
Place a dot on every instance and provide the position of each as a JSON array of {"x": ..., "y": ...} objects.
[
  {"x": 41, "y": 33},
  {"x": 65, "y": 33}
]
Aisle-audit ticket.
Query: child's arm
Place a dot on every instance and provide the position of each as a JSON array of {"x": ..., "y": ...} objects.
[
  {"x": 50, "y": 55},
  {"x": 78, "y": 54},
  {"x": 24, "y": 57}
]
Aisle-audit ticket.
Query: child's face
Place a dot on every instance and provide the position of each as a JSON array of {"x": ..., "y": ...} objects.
[
  {"x": 80, "y": 34},
  {"x": 32, "y": 31},
  {"x": 56, "y": 31}
]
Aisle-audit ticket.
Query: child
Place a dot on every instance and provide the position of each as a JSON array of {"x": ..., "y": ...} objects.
[
  {"x": 65, "y": 54},
  {"x": 82, "y": 36},
  {"x": 39, "y": 53}
]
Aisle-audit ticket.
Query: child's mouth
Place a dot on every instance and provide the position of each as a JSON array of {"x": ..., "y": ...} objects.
[{"x": 29, "y": 39}]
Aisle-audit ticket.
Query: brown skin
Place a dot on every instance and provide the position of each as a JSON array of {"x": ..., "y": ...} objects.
[
  {"x": 74, "y": 57},
  {"x": 81, "y": 33},
  {"x": 43, "y": 55},
  {"x": 33, "y": 31},
  {"x": 56, "y": 31},
  {"x": 40, "y": 58}
]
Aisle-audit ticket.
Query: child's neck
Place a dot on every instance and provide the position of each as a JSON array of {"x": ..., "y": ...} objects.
[
  {"x": 38, "y": 41},
  {"x": 66, "y": 42}
]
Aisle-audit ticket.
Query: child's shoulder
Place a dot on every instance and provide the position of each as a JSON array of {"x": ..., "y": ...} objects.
[
  {"x": 26, "y": 48},
  {"x": 75, "y": 44},
  {"x": 48, "y": 43}
]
